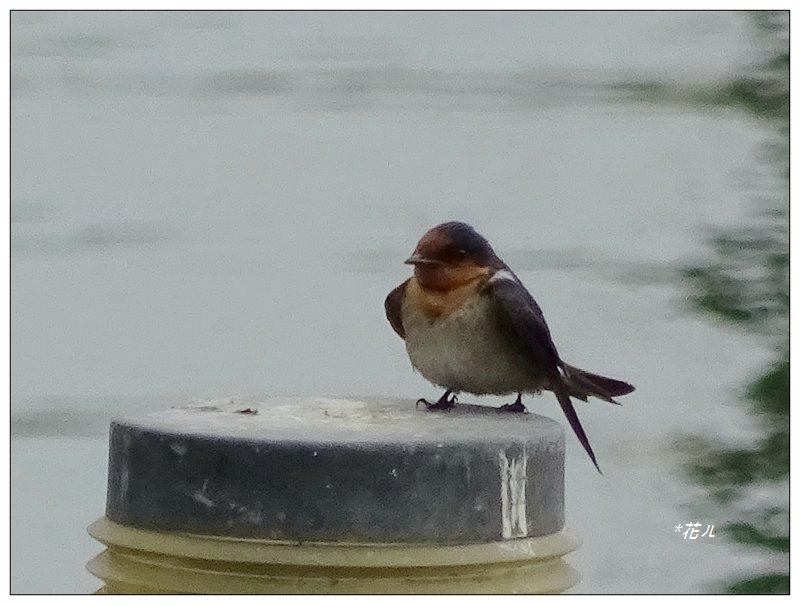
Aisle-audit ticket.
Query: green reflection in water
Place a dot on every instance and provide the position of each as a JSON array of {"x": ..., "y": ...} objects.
[{"x": 748, "y": 284}]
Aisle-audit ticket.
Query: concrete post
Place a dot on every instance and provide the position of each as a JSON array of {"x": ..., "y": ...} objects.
[{"x": 334, "y": 496}]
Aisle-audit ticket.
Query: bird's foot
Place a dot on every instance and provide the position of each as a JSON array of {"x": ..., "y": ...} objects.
[
  {"x": 445, "y": 402},
  {"x": 515, "y": 407}
]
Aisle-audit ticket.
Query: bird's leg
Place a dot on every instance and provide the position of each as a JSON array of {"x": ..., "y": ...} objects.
[
  {"x": 445, "y": 402},
  {"x": 515, "y": 407}
]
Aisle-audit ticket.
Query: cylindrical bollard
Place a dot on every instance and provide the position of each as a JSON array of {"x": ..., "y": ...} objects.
[{"x": 334, "y": 496}]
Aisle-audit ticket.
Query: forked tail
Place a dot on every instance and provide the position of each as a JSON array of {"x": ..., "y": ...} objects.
[{"x": 582, "y": 384}]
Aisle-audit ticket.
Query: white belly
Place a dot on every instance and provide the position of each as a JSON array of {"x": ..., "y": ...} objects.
[{"x": 464, "y": 352}]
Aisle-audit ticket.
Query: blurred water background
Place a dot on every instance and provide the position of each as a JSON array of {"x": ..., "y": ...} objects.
[{"x": 210, "y": 204}]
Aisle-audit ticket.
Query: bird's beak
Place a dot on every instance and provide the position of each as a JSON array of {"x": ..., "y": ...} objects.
[{"x": 418, "y": 259}]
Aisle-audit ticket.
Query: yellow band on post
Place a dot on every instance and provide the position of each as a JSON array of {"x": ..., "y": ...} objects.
[{"x": 143, "y": 561}]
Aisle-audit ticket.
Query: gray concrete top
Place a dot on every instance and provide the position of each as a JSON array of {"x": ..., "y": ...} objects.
[
  {"x": 322, "y": 420},
  {"x": 314, "y": 469}
]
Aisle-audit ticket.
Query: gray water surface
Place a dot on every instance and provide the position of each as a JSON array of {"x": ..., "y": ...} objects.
[{"x": 212, "y": 204}]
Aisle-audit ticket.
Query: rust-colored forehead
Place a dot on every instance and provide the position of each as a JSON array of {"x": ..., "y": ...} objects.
[
  {"x": 456, "y": 243},
  {"x": 435, "y": 239}
]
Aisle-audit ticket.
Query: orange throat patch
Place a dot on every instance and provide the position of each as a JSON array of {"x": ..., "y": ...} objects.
[{"x": 439, "y": 303}]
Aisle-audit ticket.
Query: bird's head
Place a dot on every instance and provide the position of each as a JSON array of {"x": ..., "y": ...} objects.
[{"x": 452, "y": 254}]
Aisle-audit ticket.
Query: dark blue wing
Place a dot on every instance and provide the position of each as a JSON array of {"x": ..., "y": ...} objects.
[
  {"x": 523, "y": 322},
  {"x": 394, "y": 306},
  {"x": 521, "y": 318}
]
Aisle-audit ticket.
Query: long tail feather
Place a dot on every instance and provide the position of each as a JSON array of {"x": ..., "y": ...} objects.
[{"x": 560, "y": 390}]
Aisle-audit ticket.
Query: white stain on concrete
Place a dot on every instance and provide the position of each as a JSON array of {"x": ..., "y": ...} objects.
[
  {"x": 200, "y": 496},
  {"x": 178, "y": 448},
  {"x": 513, "y": 482},
  {"x": 124, "y": 483}
]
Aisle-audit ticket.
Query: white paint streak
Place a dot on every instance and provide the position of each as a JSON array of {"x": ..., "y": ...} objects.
[
  {"x": 124, "y": 483},
  {"x": 179, "y": 449},
  {"x": 513, "y": 483},
  {"x": 200, "y": 496}
]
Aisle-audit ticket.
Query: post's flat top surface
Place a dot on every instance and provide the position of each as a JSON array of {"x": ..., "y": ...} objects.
[
  {"x": 338, "y": 470},
  {"x": 325, "y": 420}
]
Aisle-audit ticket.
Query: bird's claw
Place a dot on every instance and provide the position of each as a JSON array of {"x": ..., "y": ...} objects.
[
  {"x": 445, "y": 402},
  {"x": 515, "y": 407}
]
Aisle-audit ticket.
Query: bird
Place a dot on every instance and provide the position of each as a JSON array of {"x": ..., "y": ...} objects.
[{"x": 471, "y": 326}]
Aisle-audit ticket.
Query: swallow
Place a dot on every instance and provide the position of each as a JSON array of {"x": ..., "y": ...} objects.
[{"x": 469, "y": 325}]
